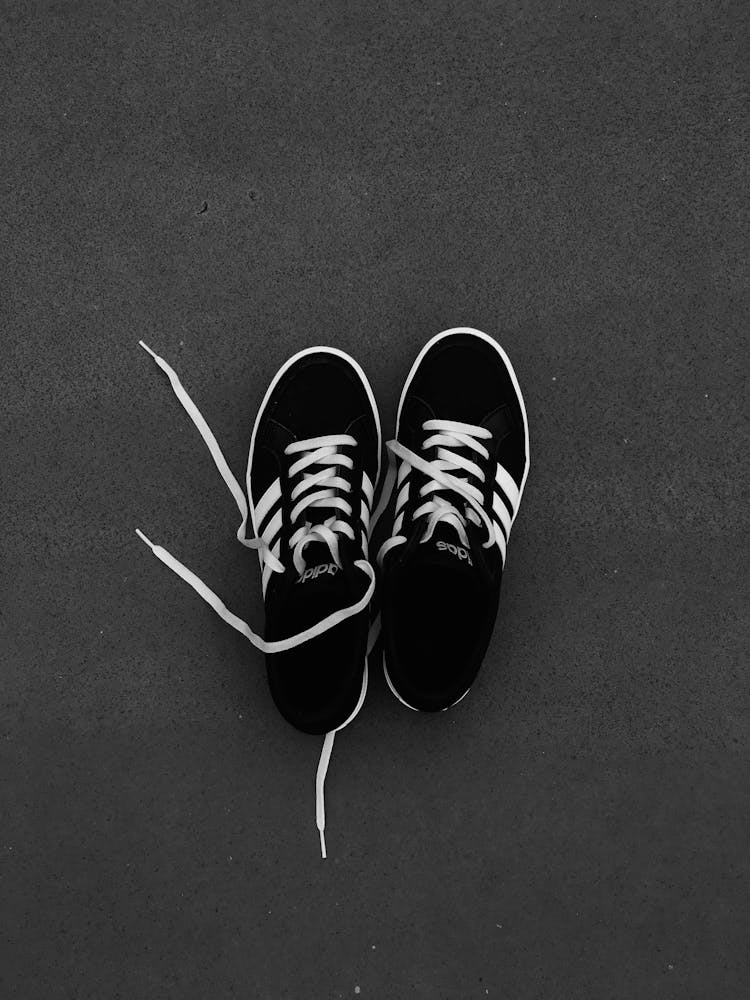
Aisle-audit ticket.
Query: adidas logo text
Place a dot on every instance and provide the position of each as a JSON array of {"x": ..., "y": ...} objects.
[
  {"x": 456, "y": 550},
  {"x": 315, "y": 571}
]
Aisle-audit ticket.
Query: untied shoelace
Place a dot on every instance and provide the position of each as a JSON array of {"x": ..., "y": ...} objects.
[{"x": 322, "y": 450}]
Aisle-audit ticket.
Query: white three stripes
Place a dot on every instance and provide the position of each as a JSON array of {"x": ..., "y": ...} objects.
[
  {"x": 269, "y": 530},
  {"x": 505, "y": 502}
]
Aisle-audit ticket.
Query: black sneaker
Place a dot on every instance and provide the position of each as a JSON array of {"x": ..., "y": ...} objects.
[
  {"x": 313, "y": 466},
  {"x": 461, "y": 461}
]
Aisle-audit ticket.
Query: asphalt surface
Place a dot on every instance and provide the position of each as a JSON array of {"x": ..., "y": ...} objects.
[{"x": 234, "y": 183}]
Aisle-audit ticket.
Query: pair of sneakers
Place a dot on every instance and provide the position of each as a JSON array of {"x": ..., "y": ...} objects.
[{"x": 404, "y": 569}]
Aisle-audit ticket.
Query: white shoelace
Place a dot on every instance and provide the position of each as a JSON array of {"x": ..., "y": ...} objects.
[
  {"x": 323, "y": 450},
  {"x": 448, "y": 471}
]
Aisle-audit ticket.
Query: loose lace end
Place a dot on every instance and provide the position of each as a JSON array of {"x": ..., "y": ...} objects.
[
  {"x": 144, "y": 539},
  {"x": 147, "y": 348},
  {"x": 320, "y": 807}
]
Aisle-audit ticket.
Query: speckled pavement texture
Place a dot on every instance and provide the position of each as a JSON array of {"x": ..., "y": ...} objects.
[{"x": 232, "y": 183}]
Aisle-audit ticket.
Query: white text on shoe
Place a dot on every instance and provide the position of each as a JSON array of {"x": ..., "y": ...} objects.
[
  {"x": 314, "y": 571},
  {"x": 457, "y": 550}
]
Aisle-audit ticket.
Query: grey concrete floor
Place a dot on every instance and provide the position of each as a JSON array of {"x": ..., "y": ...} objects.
[{"x": 238, "y": 181}]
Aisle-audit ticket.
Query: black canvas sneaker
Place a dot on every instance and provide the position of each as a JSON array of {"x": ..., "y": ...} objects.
[
  {"x": 313, "y": 466},
  {"x": 458, "y": 467}
]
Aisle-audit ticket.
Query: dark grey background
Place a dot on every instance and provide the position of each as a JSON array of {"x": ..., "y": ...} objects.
[{"x": 571, "y": 178}]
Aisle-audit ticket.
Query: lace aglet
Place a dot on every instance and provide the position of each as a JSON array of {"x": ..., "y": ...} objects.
[
  {"x": 320, "y": 810},
  {"x": 145, "y": 347},
  {"x": 144, "y": 539}
]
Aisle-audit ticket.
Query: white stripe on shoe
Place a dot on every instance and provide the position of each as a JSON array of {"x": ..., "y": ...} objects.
[
  {"x": 507, "y": 484},
  {"x": 501, "y": 513},
  {"x": 267, "y": 501}
]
